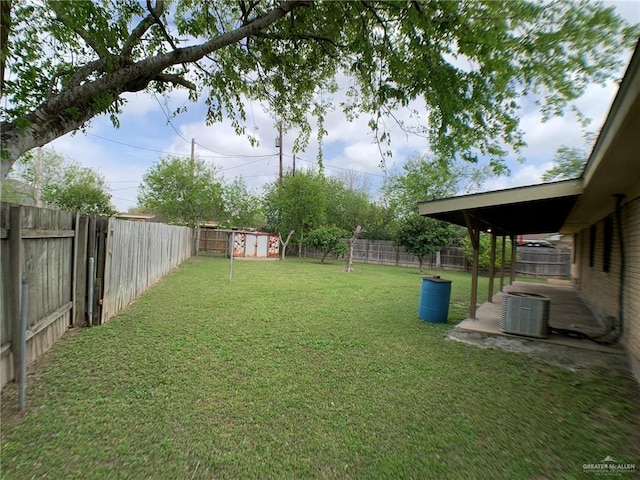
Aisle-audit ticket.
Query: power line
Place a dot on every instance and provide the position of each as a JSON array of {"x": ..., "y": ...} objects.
[
  {"x": 228, "y": 155},
  {"x": 179, "y": 154},
  {"x": 168, "y": 119},
  {"x": 245, "y": 164},
  {"x": 119, "y": 189},
  {"x": 341, "y": 168}
]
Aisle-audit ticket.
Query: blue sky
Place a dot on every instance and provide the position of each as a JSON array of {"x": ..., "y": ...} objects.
[{"x": 124, "y": 154}]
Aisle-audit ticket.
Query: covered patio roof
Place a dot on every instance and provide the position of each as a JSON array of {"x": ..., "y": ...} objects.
[{"x": 523, "y": 210}]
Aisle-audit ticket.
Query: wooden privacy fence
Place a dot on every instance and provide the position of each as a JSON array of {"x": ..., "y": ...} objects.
[
  {"x": 386, "y": 252},
  {"x": 543, "y": 262},
  {"x": 80, "y": 270},
  {"x": 531, "y": 261},
  {"x": 138, "y": 255}
]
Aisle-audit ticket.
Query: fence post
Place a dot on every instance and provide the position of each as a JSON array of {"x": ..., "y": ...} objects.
[
  {"x": 106, "y": 282},
  {"x": 80, "y": 274},
  {"x": 15, "y": 259},
  {"x": 74, "y": 269},
  {"x": 22, "y": 357}
]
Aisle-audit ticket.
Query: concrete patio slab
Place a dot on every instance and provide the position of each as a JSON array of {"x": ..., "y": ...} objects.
[{"x": 567, "y": 312}]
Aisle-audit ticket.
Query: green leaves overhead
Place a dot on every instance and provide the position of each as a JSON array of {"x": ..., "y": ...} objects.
[{"x": 460, "y": 66}]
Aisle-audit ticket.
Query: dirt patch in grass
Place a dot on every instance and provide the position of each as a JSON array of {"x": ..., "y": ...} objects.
[{"x": 571, "y": 358}]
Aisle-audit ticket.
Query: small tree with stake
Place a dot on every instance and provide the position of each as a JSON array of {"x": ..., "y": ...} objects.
[{"x": 356, "y": 233}]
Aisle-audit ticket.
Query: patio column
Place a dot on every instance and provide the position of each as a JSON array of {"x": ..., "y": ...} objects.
[
  {"x": 502, "y": 261},
  {"x": 473, "y": 228},
  {"x": 512, "y": 277},
  {"x": 492, "y": 266}
]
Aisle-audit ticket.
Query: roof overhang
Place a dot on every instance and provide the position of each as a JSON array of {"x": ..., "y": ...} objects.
[
  {"x": 523, "y": 210},
  {"x": 611, "y": 172},
  {"x": 613, "y": 168}
]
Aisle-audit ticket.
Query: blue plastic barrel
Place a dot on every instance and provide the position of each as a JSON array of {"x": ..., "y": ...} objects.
[{"x": 434, "y": 299}]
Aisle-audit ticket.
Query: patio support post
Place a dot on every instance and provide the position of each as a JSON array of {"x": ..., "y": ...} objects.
[
  {"x": 512, "y": 278},
  {"x": 474, "y": 236},
  {"x": 502, "y": 261},
  {"x": 492, "y": 266}
]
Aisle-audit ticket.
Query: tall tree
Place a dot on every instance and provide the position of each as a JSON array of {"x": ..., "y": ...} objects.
[
  {"x": 468, "y": 62},
  {"x": 82, "y": 190},
  {"x": 241, "y": 207},
  {"x": 50, "y": 179},
  {"x": 182, "y": 190},
  {"x": 426, "y": 177},
  {"x": 299, "y": 204},
  {"x": 346, "y": 207}
]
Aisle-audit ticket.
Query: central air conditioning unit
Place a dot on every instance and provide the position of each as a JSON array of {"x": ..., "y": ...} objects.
[{"x": 525, "y": 314}]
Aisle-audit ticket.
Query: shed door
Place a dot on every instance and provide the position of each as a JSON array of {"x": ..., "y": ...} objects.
[
  {"x": 262, "y": 246},
  {"x": 250, "y": 248}
]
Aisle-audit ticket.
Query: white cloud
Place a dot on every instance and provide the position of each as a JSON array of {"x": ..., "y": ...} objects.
[{"x": 526, "y": 175}]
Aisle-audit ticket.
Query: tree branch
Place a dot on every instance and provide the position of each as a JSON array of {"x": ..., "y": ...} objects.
[
  {"x": 174, "y": 79},
  {"x": 71, "y": 108},
  {"x": 83, "y": 72},
  {"x": 136, "y": 36},
  {"x": 296, "y": 37},
  {"x": 5, "y": 26},
  {"x": 150, "y": 67},
  {"x": 156, "y": 13},
  {"x": 84, "y": 35}
]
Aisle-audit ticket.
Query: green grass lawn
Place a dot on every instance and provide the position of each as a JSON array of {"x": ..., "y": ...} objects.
[{"x": 298, "y": 370}]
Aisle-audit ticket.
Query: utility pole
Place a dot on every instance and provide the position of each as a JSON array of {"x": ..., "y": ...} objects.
[
  {"x": 294, "y": 165},
  {"x": 280, "y": 145},
  {"x": 193, "y": 151}
]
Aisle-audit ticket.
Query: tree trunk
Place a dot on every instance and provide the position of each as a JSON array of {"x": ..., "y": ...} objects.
[
  {"x": 71, "y": 108},
  {"x": 324, "y": 255},
  {"x": 300, "y": 244},
  {"x": 421, "y": 263},
  {"x": 284, "y": 244},
  {"x": 356, "y": 233}
]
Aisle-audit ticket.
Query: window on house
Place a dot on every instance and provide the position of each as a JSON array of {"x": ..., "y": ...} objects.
[
  {"x": 592, "y": 244},
  {"x": 608, "y": 240}
]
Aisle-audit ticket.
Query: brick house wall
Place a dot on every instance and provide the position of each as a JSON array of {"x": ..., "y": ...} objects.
[{"x": 599, "y": 280}]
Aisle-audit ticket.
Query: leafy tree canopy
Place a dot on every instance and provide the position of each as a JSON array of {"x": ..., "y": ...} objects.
[
  {"x": 346, "y": 207},
  {"x": 328, "y": 239},
  {"x": 182, "y": 190},
  {"x": 484, "y": 254},
  {"x": 567, "y": 164},
  {"x": 50, "y": 179},
  {"x": 241, "y": 207},
  {"x": 424, "y": 178},
  {"x": 298, "y": 204},
  {"x": 64, "y": 62},
  {"x": 422, "y": 236}
]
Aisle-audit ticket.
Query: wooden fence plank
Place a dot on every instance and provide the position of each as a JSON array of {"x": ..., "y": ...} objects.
[
  {"x": 36, "y": 233},
  {"x": 48, "y": 320},
  {"x": 81, "y": 273},
  {"x": 15, "y": 247}
]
